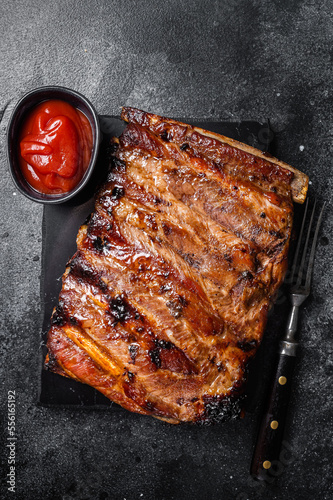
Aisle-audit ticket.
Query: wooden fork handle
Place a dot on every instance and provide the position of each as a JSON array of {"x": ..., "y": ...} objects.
[{"x": 266, "y": 458}]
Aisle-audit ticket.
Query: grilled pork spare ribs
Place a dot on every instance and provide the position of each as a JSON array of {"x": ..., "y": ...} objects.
[{"x": 166, "y": 299}]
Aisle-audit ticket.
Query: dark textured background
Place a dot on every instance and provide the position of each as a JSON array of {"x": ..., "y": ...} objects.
[{"x": 228, "y": 60}]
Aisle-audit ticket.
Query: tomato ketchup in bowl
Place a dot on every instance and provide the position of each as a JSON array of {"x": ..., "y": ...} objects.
[{"x": 52, "y": 143}]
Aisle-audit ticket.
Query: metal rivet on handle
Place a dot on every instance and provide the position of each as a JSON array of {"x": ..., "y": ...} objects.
[
  {"x": 266, "y": 464},
  {"x": 274, "y": 424},
  {"x": 282, "y": 380}
]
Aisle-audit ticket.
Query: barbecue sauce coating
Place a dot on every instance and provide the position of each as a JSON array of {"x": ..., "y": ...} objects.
[{"x": 166, "y": 299}]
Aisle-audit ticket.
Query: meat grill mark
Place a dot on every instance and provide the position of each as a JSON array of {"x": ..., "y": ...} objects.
[
  {"x": 158, "y": 264},
  {"x": 120, "y": 309},
  {"x": 155, "y": 356},
  {"x": 207, "y": 235},
  {"x": 175, "y": 360},
  {"x": 80, "y": 268},
  {"x": 247, "y": 346},
  {"x": 230, "y": 160},
  {"x": 81, "y": 367},
  {"x": 59, "y": 317},
  {"x": 166, "y": 299},
  {"x": 133, "y": 350},
  {"x": 204, "y": 324},
  {"x": 95, "y": 351},
  {"x": 175, "y": 235},
  {"x": 118, "y": 306},
  {"x": 222, "y": 212},
  {"x": 149, "y": 142}
]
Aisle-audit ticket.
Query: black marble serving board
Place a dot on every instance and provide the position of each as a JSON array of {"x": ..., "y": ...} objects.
[{"x": 60, "y": 227}]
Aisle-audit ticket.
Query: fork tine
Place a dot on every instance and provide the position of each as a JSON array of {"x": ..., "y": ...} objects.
[
  {"x": 313, "y": 248},
  {"x": 300, "y": 272},
  {"x": 299, "y": 243}
]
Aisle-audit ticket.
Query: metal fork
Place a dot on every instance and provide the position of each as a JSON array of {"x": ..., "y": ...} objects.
[{"x": 271, "y": 452}]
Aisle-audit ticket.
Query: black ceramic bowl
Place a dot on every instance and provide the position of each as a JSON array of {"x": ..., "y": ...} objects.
[{"x": 23, "y": 107}]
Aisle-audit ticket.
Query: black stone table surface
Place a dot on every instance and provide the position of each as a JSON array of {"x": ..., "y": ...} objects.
[{"x": 217, "y": 61}]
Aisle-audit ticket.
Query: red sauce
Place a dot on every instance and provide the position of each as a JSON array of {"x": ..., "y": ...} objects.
[{"x": 56, "y": 144}]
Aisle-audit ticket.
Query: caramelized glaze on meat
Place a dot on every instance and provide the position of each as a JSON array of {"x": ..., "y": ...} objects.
[{"x": 166, "y": 298}]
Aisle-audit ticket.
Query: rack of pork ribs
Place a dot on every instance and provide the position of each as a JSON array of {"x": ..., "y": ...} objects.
[{"x": 166, "y": 299}]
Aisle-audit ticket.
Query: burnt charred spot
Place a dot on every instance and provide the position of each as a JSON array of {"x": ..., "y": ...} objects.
[
  {"x": 180, "y": 401},
  {"x": 102, "y": 285},
  {"x": 98, "y": 244},
  {"x": 165, "y": 288},
  {"x": 276, "y": 249},
  {"x": 263, "y": 215},
  {"x": 227, "y": 258},
  {"x": 220, "y": 367},
  {"x": 129, "y": 375},
  {"x": 167, "y": 356},
  {"x": 73, "y": 321},
  {"x": 157, "y": 200},
  {"x": 111, "y": 175},
  {"x": 184, "y": 146},
  {"x": 120, "y": 165},
  {"x": 120, "y": 309},
  {"x": 163, "y": 344},
  {"x": 189, "y": 258},
  {"x": 165, "y": 136},
  {"x": 85, "y": 274},
  {"x": 247, "y": 346},
  {"x": 246, "y": 275},
  {"x": 133, "y": 351},
  {"x": 166, "y": 228},
  {"x": 175, "y": 307},
  {"x": 235, "y": 188},
  {"x": 117, "y": 192},
  {"x": 51, "y": 363},
  {"x": 194, "y": 400},
  {"x": 182, "y": 301},
  {"x": 155, "y": 356},
  {"x": 220, "y": 409},
  {"x": 276, "y": 234},
  {"x": 273, "y": 189},
  {"x": 59, "y": 316},
  {"x": 116, "y": 165}
]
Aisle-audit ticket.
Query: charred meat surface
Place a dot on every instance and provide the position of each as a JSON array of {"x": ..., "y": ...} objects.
[{"x": 166, "y": 299}]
